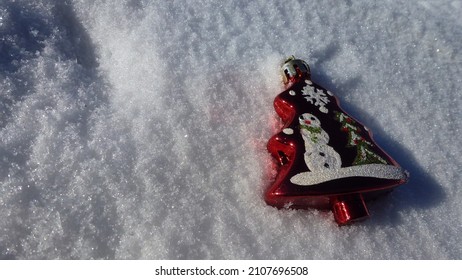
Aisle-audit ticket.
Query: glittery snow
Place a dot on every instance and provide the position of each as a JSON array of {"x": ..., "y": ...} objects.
[{"x": 366, "y": 170}]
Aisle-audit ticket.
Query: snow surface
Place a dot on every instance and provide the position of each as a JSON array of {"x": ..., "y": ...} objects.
[{"x": 138, "y": 129}]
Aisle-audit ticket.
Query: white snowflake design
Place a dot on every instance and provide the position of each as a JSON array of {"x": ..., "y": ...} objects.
[{"x": 315, "y": 96}]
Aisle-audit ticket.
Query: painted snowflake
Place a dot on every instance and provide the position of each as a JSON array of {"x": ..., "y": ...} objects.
[{"x": 316, "y": 97}]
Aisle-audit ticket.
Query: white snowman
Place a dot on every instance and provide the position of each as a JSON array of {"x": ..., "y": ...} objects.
[{"x": 318, "y": 155}]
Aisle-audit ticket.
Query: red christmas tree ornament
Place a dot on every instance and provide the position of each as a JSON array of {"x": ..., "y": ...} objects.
[{"x": 326, "y": 159}]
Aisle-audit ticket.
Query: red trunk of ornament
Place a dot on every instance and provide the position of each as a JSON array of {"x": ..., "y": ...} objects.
[{"x": 326, "y": 159}]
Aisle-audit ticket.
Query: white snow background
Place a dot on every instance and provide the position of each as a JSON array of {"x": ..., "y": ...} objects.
[{"x": 138, "y": 129}]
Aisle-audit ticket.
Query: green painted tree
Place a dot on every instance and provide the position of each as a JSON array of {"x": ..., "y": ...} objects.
[{"x": 364, "y": 153}]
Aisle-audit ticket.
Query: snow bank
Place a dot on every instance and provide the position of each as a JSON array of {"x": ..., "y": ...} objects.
[{"x": 137, "y": 130}]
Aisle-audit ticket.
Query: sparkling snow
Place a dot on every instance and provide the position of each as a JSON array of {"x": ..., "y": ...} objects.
[{"x": 137, "y": 130}]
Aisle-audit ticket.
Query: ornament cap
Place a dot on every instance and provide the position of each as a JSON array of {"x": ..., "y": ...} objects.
[{"x": 294, "y": 69}]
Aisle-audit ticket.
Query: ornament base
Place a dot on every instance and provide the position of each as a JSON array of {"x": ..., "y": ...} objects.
[{"x": 349, "y": 209}]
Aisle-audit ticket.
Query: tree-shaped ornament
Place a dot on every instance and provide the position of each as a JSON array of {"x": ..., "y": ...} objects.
[{"x": 326, "y": 159}]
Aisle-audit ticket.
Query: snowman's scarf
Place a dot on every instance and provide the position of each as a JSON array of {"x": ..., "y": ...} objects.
[{"x": 314, "y": 132}]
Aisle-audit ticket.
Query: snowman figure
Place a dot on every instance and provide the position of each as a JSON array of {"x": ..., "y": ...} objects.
[{"x": 318, "y": 155}]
